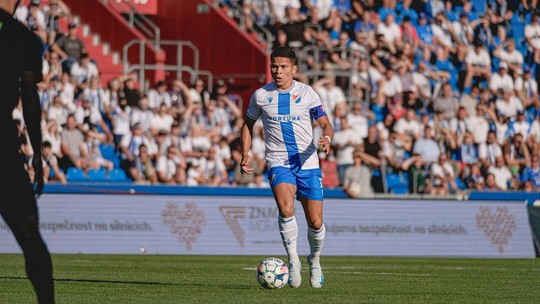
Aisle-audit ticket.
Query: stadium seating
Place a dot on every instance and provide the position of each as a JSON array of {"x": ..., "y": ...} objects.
[
  {"x": 118, "y": 176},
  {"x": 98, "y": 175},
  {"x": 75, "y": 174}
]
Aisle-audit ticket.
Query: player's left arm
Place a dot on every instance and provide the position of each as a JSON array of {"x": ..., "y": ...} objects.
[
  {"x": 319, "y": 115},
  {"x": 30, "y": 76},
  {"x": 327, "y": 133}
]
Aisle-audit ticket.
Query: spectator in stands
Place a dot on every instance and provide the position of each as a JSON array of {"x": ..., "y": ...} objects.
[
  {"x": 35, "y": 17},
  {"x": 502, "y": 174},
  {"x": 508, "y": 54},
  {"x": 180, "y": 97},
  {"x": 427, "y": 147},
  {"x": 159, "y": 95},
  {"x": 82, "y": 71},
  {"x": 53, "y": 12},
  {"x": 213, "y": 169},
  {"x": 345, "y": 141},
  {"x": 70, "y": 47},
  {"x": 142, "y": 115},
  {"x": 391, "y": 32},
  {"x": 508, "y": 105},
  {"x": 57, "y": 111},
  {"x": 89, "y": 120},
  {"x": 92, "y": 154},
  {"x": 51, "y": 133},
  {"x": 468, "y": 150},
  {"x": 144, "y": 171},
  {"x": 293, "y": 27},
  {"x": 443, "y": 175},
  {"x": 357, "y": 175},
  {"x": 358, "y": 118},
  {"x": 501, "y": 81},
  {"x": 532, "y": 36},
  {"x": 51, "y": 169},
  {"x": 72, "y": 142},
  {"x": 162, "y": 120},
  {"x": 372, "y": 157},
  {"x": 475, "y": 180},
  {"x": 198, "y": 92},
  {"x": 129, "y": 147},
  {"x": 479, "y": 125},
  {"x": 516, "y": 154},
  {"x": 121, "y": 122},
  {"x": 520, "y": 125},
  {"x": 408, "y": 125},
  {"x": 532, "y": 173},
  {"x": 478, "y": 65},
  {"x": 469, "y": 100},
  {"x": 526, "y": 89},
  {"x": 489, "y": 151},
  {"x": 53, "y": 67},
  {"x": 330, "y": 93},
  {"x": 463, "y": 35},
  {"x": 131, "y": 93},
  {"x": 171, "y": 168}
]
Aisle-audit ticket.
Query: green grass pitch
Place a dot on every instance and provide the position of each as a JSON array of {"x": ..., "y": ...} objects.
[{"x": 232, "y": 279}]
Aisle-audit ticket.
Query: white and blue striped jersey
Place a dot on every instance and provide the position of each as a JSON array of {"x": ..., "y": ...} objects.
[{"x": 287, "y": 118}]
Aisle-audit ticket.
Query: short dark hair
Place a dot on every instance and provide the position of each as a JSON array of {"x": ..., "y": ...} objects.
[{"x": 285, "y": 52}]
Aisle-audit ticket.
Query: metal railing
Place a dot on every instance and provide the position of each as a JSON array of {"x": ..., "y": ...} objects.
[
  {"x": 137, "y": 20},
  {"x": 142, "y": 66}
]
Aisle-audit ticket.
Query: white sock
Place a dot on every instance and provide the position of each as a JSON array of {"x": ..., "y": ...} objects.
[
  {"x": 316, "y": 242},
  {"x": 288, "y": 229}
]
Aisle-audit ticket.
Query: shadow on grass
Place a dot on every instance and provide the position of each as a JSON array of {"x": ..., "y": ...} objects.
[{"x": 99, "y": 281}]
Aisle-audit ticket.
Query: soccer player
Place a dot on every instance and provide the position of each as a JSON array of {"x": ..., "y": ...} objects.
[
  {"x": 20, "y": 71},
  {"x": 288, "y": 108}
]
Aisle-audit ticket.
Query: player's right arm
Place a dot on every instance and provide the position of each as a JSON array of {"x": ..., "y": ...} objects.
[{"x": 246, "y": 135}]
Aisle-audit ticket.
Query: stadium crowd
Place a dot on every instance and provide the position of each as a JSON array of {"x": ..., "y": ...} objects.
[{"x": 439, "y": 96}]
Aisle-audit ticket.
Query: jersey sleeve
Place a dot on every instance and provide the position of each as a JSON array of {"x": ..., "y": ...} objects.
[
  {"x": 316, "y": 109},
  {"x": 254, "y": 110}
]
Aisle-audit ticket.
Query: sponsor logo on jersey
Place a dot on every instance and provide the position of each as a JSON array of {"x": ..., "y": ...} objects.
[
  {"x": 270, "y": 99},
  {"x": 284, "y": 118}
]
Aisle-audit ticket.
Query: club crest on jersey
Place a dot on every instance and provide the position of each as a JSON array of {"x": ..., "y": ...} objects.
[
  {"x": 270, "y": 99},
  {"x": 296, "y": 98}
]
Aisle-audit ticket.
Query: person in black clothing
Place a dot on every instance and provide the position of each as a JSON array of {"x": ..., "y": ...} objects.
[{"x": 20, "y": 71}]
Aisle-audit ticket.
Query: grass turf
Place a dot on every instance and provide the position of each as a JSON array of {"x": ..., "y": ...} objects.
[{"x": 232, "y": 279}]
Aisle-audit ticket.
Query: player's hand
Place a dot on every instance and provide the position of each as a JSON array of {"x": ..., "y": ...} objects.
[
  {"x": 245, "y": 165},
  {"x": 325, "y": 144},
  {"x": 38, "y": 184}
]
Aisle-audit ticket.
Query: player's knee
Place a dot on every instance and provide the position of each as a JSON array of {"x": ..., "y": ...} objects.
[
  {"x": 315, "y": 224},
  {"x": 286, "y": 211},
  {"x": 27, "y": 227}
]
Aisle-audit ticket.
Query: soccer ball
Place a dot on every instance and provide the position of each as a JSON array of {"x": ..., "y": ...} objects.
[{"x": 272, "y": 273}]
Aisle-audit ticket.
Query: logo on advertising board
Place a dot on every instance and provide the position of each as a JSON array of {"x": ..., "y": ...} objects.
[
  {"x": 255, "y": 219},
  {"x": 497, "y": 226},
  {"x": 231, "y": 215},
  {"x": 186, "y": 222}
]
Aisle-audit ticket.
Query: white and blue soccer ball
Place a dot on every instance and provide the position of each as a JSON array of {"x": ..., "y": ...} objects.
[{"x": 272, "y": 273}]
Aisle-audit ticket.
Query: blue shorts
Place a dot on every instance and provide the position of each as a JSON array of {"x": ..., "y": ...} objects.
[{"x": 308, "y": 182}]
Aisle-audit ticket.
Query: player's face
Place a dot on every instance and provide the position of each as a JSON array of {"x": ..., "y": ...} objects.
[{"x": 282, "y": 70}]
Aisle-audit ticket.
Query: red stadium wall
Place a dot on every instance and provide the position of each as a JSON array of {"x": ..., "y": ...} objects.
[{"x": 224, "y": 50}]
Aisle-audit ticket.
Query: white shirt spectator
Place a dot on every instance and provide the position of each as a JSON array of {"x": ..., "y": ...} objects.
[
  {"x": 142, "y": 116},
  {"x": 521, "y": 127},
  {"x": 81, "y": 73},
  {"x": 501, "y": 82},
  {"x": 532, "y": 31},
  {"x": 514, "y": 58},
  {"x": 391, "y": 32},
  {"x": 479, "y": 128},
  {"x": 502, "y": 176},
  {"x": 155, "y": 99},
  {"x": 404, "y": 126},
  {"x": 482, "y": 59},
  {"x": 490, "y": 152},
  {"x": 392, "y": 87},
  {"x": 346, "y": 140},
  {"x": 529, "y": 86},
  {"x": 279, "y": 6},
  {"x": 510, "y": 107}
]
